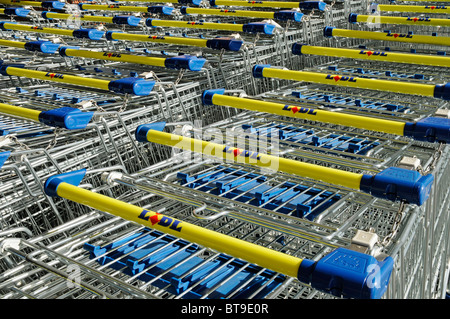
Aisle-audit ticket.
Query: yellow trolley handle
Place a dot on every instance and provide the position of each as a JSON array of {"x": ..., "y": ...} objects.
[
  {"x": 361, "y": 18},
  {"x": 91, "y": 34},
  {"x": 429, "y": 129},
  {"x": 417, "y": 9},
  {"x": 187, "y": 62},
  {"x": 131, "y": 85},
  {"x": 193, "y": 2},
  {"x": 42, "y": 4},
  {"x": 11, "y": 11},
  {"x": 39, "y": 46},
  {"x": 386, "y": 36},
  {"x": 392, "y": 183},
  {"x": 308, "y": 271},
  {"x": 430, "y": 90},
  {"x": 129, "y": 20},
  {"x": 112, "y": 7},
  {"x": 256, "y": 4},
  {"x": 64, "y": 117},
  {"x": 255, "y": 27},
  {"x": 376, "y": 55},
  {"x": 225, "y": 43},
  {"x": 303, "y": 5},
  {"x": 64, "y": 16},
  {"x": 13, "y": 44},
  {"x": 279, "y": 15}
]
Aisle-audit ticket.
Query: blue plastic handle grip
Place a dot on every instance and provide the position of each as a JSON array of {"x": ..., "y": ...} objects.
[
  {"x": 53, "y": 4},
  {"x": 160, "y": 10},
  {"x": 91, "y": 34},
  {"x": 348, "y": 273},
  {"x": 310, "y": 5},
  {"x": 258, "y": 27},
  {"x": 395, "y": 183},
  {"x": 188, "y": 62},
  {"x": 127, "y": 20},
  {"x": 42, "y": 46},
  {"x": 288, "y": 15},
  {"x": 225, "y": 43},
  {"x": 131, "y": 85},
  {"x": 66, "y": 117},
  {"x": 20, "y": 12},
  {"x": 431, "y": 129}
]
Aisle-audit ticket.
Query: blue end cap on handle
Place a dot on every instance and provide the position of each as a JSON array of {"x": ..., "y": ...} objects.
[
  {"x": 258, "y": 70},
  {"x": 347, "y": 273},
  {"x": 258, "y": 27},
  {"x": 53, "y": 4},
  {"x": 352, "y": 17},
  {"x": 142, "y": 130},
  {"x": 160, "y": 10},
  {"x": 328, "y": 32},
  {"x": 20, "y": 12},
  {"x": 431, "y": 129},
  {"x": 91, "y": 34},
  {"x": 4, "y": 157},
  {"x": 285, "y": 15},
  {"x": 128, "y": 20},
  {"x": 188, "y": 62},
  {"x": 310, "y": 5},
  {"x": 131, "y": 85},
  {"x": 442, "y": 91},
  {"x": 395, "y": 183},
  {"x": 73, "y": 178},
  {"x": 42, "y": 46},
  {"x": 297, "y": 48},
  {"x": 66, "y": 117},
  {"x": 226, "y": 43},
  {"x": 207, "y": 95}
]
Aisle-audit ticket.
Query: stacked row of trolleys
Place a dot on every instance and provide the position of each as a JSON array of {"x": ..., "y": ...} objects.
[{"x": 224, "y": 149}]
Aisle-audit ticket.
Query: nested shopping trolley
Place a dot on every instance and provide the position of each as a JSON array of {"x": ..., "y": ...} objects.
[
  {"x": 294, "y": 215},
  {"x": 192, "y": 182},
  {"x": 228, "y": 198}
]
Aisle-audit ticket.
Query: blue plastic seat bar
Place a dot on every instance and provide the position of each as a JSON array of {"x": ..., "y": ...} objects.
[{"x": 174, "y": 265}]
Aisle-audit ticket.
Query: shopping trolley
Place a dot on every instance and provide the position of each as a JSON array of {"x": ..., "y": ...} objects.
[{"x": 191, "y": 282}]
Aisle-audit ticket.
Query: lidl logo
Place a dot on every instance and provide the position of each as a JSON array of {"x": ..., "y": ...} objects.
[
  {"x": 416, "y": 19},
  {"x": 338, "y": 78},
  {"x": 54, "y": 75},
  {"x": 435, "y": 7},
  {"x": 112, "y": 55},
  {"x": 374, "y": 53},
  {"x": 296, "y": 109},
  {"x": 164, "y": 221},
  {"x": 228, "y": 11},
  {"x": 154, "y": 37},
  {"x": 241, "y": 153},
  {"x": 399, "y": 35}
]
